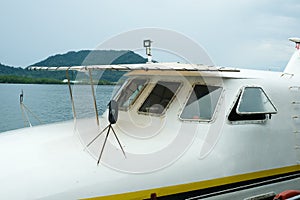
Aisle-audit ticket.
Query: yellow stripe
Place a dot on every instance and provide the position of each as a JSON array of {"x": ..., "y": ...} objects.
[{"x": 138, "y": 195}]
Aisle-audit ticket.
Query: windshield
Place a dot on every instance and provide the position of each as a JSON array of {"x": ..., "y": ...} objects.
[
  {"x": 130, "y": 92},
  {"x": 160, "y": 97}
]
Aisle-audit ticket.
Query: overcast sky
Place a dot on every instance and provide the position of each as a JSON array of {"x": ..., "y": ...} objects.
[{"x": 247, "y": 33}]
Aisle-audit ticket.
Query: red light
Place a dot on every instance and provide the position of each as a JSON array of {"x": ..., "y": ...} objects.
[{"x": 153, "y": 196}]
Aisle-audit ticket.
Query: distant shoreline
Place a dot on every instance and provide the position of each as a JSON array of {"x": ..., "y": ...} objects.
[{"x": 12, "y": 79}]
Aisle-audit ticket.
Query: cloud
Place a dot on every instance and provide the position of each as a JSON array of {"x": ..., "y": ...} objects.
[
  {"x": 235, "y": 33},
  {"x": 254, "y": 34}
]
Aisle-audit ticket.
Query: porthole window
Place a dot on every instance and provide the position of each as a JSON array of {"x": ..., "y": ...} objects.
[
  {"x": 202, "y": 103},
  {"x": 252, "y": 104}
]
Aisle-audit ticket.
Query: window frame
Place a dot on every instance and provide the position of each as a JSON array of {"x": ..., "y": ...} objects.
[
  {"x": 237, "y": 100},
  {"x": 215, "y": 110},
  {"x": 253, "y": 113},
  {"x": 169, "y": 103},
  {"x": 127, "y": 82}
]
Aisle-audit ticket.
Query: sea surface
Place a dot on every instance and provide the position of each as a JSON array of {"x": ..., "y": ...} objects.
[{"x": 48, "y": 103}]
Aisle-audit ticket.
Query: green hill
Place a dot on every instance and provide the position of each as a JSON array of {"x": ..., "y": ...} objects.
[
  {"x": 8, "y": 70},
  {"x": 95, "y": 57},
  {"x": 10, "y": 74}
]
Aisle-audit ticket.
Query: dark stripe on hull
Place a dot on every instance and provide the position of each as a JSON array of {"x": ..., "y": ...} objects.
[{"x": 233, "y": 187}]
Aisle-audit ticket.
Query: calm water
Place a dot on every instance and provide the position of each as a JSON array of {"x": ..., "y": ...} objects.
[{"x": 51, "y": 103}]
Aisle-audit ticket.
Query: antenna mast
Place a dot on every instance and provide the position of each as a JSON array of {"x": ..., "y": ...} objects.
[{"x": 147, "y": 44}]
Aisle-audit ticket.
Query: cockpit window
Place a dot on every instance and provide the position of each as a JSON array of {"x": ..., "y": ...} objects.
[
  {"x": 252, "y": 104},
  {"x": 201, "y": 103},
  {"x": 160, "y": 97},
  {"x": 130, "y": 92}
]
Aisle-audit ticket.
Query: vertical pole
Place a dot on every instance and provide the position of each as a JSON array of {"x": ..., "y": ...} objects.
[
  {"x": 94, "y": 98},
  {"x": 23, "y": 114},
  {"x": 71, "y": 94}
]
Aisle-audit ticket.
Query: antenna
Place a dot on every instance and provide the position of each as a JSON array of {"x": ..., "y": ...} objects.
[
  {"x": 147, "y": 44},
  {"x": 112, "y": 118}
]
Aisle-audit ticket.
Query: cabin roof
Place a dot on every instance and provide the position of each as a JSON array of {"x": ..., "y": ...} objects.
[
  {"x": 169, "y": 69},
  {"x": 146, "y": 67}
]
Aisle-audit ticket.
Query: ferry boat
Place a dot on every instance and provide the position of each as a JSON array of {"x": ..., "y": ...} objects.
[{"x": 172, "y": 131}]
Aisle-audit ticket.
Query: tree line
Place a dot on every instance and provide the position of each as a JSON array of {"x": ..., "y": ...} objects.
[{"x": 10, "y": 74}]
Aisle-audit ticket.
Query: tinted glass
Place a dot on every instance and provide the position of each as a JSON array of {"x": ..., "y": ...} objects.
[
  {"x": 130, "y": 92},
  {"x": 201, "y": 103},
  {"x": 160, "y": 97},
  {"x": 254, "y": 101}
]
